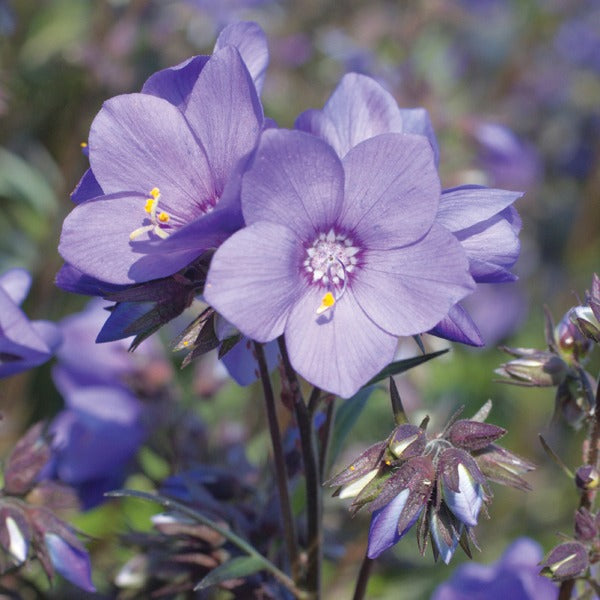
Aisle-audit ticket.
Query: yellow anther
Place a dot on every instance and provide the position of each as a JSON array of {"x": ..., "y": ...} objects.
[
  {"x": 388, "y": 462},
  {"x": 150, "y": 205},
  {"x": 155, "y": 192},
  {"x": 327, "y": 302},
  {"x": 83, "y": 144},
  {"x": 163, "y": 217}
]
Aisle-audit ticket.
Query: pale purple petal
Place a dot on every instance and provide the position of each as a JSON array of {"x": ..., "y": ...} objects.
[
  {"x": 49, "y": 333},
  {"x": 409, "y": 290},
  {"x": 224, "y": 112},
  {"x": 467, "y": 502},
  {"x": 139, "y": 142},
  {"x": 241, "y": 364},
  {"x": 175, "y": 84},
  {"x": 383, "y": 532},
  {"x": 72, "y": 563},
  {"x": 296, "y": 180},
  {"x": 392, "y": 190},
  {"x": 339, "y": 350},
  {"x": 251, "y": 42},
  {"x": 16, "y": 283},
  {"x": 463, "y": 207},
  {"x": 254, "y": 279},
  {"x": 358, "y": 109},
  {"x": 73, "y": 280},
  {"x": 417, "y": 121},
  {"x": 457, "y": 326},
  {"x": 87, "y": 188},
  {"x": 446, "y": 551}
]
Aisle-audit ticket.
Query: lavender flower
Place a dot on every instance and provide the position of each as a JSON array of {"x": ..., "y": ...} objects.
[
  {"x": 340, "y": 256},
  {"x": 24, "y": 344},
  {"x": 514, "y": 575},
  {"x": 165, "y": 165},
  {"x": 482, "y": 219}
]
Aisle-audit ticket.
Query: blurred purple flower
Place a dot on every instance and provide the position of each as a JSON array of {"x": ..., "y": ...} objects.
[
  {"x": 482, "y": 219},
  {"x": 338, "y": 255},
  {"x": 515, "y": 575},
  {"x": 168, "y": 162},
  {"x": 24, "y": 344}
]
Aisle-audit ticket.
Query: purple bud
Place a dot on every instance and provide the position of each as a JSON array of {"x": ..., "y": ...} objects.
[
  {"x": 370, "y": 459},
  {"x": 593, "y": 298},
  {"x": 501, "y": 466},
  {"x": 445, "y": 533},
  {"x": 25, "y": 461},
  {"x": 585, "y": 525},
  {"x": 566, "y": 561},
  {"x": 407, "y": 441},
  {"x": 71, "y": 562},
  {"x": 587, "y": 478},
  {"x": 585, "y": 320},
  {"x": 538, "y": 369},
  {"x": 14, "y": 532},
  {"x": 473, "y": 435}
]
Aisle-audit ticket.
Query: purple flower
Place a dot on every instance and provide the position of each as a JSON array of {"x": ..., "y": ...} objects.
[
  {"x": 341, "y": 256},
  {"x": 24, "y": 344},
  {"x": 165, "y": 165},
  {"x": 514, "y": 576},
  {"x": 482, "y": 219}
]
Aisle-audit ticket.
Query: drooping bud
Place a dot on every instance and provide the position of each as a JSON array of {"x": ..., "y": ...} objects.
[
  {"x": 445, "y": 532},
  {"x": 585, "y": 320},
  {"x": 586, "y": 528},
  {"x": 537, "y": 369},
  {"x": 473, "y": 435},
  {"x": 500, "y": 465},
  {"x": 587, "y": 478},
  {"x": 566, "y": 561},
  {"x": 407, "y": 441},
  {"x": 571, "y": 342},
  {"x": 462, "y": 485}
]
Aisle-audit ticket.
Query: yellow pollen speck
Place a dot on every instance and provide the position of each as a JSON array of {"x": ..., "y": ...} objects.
[
  {"x": 83, "y": 144},
  {"x": 388, "y": 462},
  {"x": 352, "y": 468},
  {"x": 150, "y": 204},
  {"x": 155, "y": 192},
  {"x": 163, "y": 217},
  {"x": 327, "y": 302}
]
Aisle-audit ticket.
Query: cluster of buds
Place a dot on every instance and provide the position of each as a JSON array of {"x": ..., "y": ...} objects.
[
  {"x": 29, "y": 527},
  {"x": 560, "y": 365},
  {"x": 438, "y": 482},
  {"x": 180, "y": 552}
]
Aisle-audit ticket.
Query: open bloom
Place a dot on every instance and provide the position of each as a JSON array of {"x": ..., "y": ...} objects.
[
  {"x": 24, "y": 344},
  {"x": 163, "y": 184},
  {"x": 341, "y": 256},
  {"x": 482, "y": 219}
]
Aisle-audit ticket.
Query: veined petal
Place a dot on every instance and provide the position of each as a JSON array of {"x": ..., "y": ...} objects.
[
  {"x": 417, "y": 121},
  {"x": 339, "y": 350},
  {"x": 87, "y": 188},
  {"x": 225, "y": 113},
  {"x": 358, "y": 109},
  {"x": 465, "y": 206},
  {"x": 297, "y": 180},
  {"x": 175, "y": 84},
  {"x": 254, "y": 279},
  {"x": 457, "y": 326},
  {"x": 392, "y": 190},
  {"x": 409, "y": 290},
  {"x": 251, "y": 42},
  {"x": 140, "y": 142},
  {"x": 383, "y": 532}
]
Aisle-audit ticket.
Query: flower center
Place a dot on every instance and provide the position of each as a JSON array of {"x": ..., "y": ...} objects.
[
  {"x": 329, "y": 260},
  {"x": 158, "y": 219}
]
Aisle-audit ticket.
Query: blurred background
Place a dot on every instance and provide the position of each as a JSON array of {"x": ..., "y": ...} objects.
[{"x": 513, "y": 90}]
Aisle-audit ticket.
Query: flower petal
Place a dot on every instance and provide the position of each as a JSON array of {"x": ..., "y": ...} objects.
[
  {"x": 457, "y": 326},
  {"x": 139, "y": 142},
  {"x": 16, "y": 284},
  {"x": 409, "y": 290},
  {"x": 251, "y": 42},
  {"x": 254, "y": 279},
  {"x": 417, "y": 121},
  {"x": 340, "y": 350},
  {"x": 72, "y": 563},
  {"x": 225, "y": 113},
  {"x": 296, "y": 180},
  {"x": 87, "y": 188},
  {"x": 358, "y": 109},
  {"x": 383, "y": 532},
  {"x": 392, "y": 190}
]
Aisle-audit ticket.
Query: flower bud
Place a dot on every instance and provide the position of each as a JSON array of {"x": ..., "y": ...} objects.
[
  {"x": 571, "y": 341},
  {"x": 539, "y": 369},
  {"x": 445, "y": 533},
  {"x": 587, "y": 478},
  {"x": 407, "y": 441},
  {"x": 566, "y": 561},
  {"x": 500, "y": 465},
  {"x": 473, "y": 435},
  {"x": 586, "y": 528},
  {"x": 585, "y": 320},
  {"x": 15, "y": 532}
]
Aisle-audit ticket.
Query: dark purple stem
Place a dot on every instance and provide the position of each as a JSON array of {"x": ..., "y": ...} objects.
[{"x": 363, "y": 578}]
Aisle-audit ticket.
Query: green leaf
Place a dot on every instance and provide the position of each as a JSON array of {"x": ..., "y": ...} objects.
[
  {"x": 345, "y": 419},
  {"x": 234, "y": 569},
  {"x": 401, "y": 366}
]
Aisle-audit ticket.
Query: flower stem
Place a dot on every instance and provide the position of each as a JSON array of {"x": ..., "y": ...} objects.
[
  {"x": 363, "y": 578},
  {"x": 312, "y": 476},
  {"x": 289, "y": 527},
  {"x": 326, "y": 437}
]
